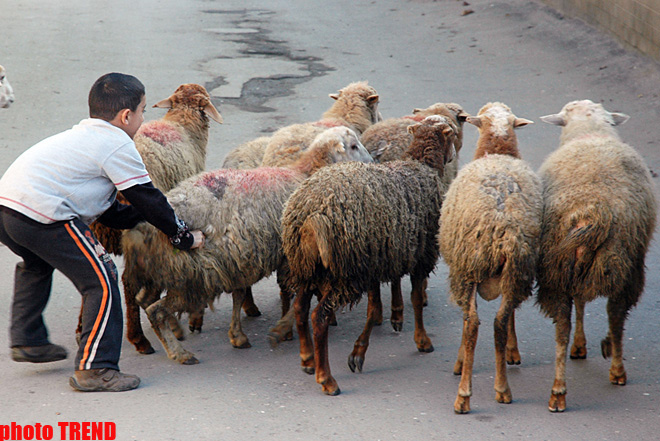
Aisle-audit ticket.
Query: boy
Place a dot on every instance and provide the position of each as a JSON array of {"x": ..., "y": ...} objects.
[{"x": 48, "y": 196}]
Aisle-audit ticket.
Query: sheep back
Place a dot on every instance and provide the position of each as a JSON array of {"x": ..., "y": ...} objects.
[
  {"x": 167, "y": 152},
  {"x": 492, "y": 214},
  {"x": 239, "y": 211},
  {"x": 287, "y": 143},
  {"x": 247, "y": 155},
  {"x": 362, "y": 224},
  {"x": 600, "y": 213}
]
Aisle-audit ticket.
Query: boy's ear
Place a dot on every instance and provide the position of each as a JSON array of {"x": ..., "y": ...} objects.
[{"x": 123, "y": 116}]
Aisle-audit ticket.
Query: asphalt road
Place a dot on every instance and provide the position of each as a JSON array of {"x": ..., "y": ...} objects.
[{"x": 268, "y": 64}]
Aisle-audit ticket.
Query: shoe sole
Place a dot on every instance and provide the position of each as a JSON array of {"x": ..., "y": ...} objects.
[
  {"x": 74, "y": 384},
  {"x": 24, "y": 358}
]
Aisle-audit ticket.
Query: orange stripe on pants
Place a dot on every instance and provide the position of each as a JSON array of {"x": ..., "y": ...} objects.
[{"x": 106, "y": 293}]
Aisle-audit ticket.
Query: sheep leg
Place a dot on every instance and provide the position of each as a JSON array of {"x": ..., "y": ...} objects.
[
  {"x": 249, "y": 306},
  {"x": 320, "y": 323},
  {"x": 579, "y": 348},
  {"x": 425, "y": 295},
  {"x": 557, "y": 401},
  {"x": 470, "y": 333},
  {"x": 612, "y": 345},
  {"x": 356, "y": 359},
  {"x": 458, "y": 366},
  {"x": 134, "y": 332},
  {"x": 502, "y": 322},
  {"x": 417, "y": 296},
  {"x": 301, "y": 307},
  {"x": 283, "y": 330},
  {"x": 196, "y": 319},
  {"x": 158, "y": 316},
  {"x": 512, "y": 352},
  {"x": 237, "y": 337},
  {"x": 397, "y": 306}
]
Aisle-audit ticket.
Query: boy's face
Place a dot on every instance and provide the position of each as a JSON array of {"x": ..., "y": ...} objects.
[{"x": 133, "y": 120}]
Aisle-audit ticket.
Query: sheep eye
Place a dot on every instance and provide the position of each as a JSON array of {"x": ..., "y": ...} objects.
[{"x": 354, "y": 146}]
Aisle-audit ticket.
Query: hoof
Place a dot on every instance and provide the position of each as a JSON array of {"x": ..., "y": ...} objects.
[
  {"x": 243, "y": 345},
  {"x": 618, "y": 379},
  {"x": 146, "y": 351},
  {"x": 578, "y": 352},
  {"x": 308, "y": 370},
  {"x": 253, "y": 312},
  {"x": 512, "y": 357},
  {"x": 504, "y": 397},
  {"x": 191, "y": 360},
  {"x": 462, "y": 405},
  {"x": 330, "y": 387},
  {"x": 397, "y": 325},
  {"x": 428, "y": 348},
  {"x": 458, "y": 368},
  {"x": 355, "y": 362},
  {"x": 194, "y": 328},
  {"x": 557, "y": 403}
]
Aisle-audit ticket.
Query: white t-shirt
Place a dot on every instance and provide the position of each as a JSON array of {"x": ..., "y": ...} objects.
[{"x": 74, "y": 174}]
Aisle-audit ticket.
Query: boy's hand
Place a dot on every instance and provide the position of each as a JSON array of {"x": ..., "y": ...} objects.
[{"x": 199, "y": 239}]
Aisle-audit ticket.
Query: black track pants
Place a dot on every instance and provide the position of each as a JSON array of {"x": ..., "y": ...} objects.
[{"x": 71, "y": 248}]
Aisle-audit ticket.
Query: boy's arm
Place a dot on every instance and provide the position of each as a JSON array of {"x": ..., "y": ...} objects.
[
  {"x": 152, "y": 204},
  {"x": 121, "y": 216}
]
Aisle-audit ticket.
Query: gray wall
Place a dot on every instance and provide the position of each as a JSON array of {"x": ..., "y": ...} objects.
[{"x": 635, "y": 23}]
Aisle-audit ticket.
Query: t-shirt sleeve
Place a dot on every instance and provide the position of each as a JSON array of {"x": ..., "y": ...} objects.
[{"x": 125, "y": 168}]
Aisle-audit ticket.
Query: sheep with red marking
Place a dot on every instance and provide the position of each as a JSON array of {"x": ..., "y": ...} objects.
[
  {"x": 239, "y": 211},
  {"x": 489, "y": 237},
  {"x": 355, "y": 107},
  {"x": 6, "y": 91},
  {"x": 351, "y": 227},
  {"x": 248, "y": 155},
  {"x": 172, "y": 148},
  {"x": 599, "y": 217}
]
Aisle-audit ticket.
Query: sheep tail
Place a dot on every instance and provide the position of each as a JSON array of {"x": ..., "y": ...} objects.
[{"x": 314, "y": 244}]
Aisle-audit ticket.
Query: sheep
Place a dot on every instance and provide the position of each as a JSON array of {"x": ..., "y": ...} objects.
[
  {"x": 6, "y": 91},
  {"x": 172, "y": 148},
  {"x": 489, "y": 237},
  {"x": 388, "y": 140},
  {"x": 239, "y": 211},
  {"x": 247, "y": 155},
  {"x": 352, "y": 226},
  {"x": 600, "y": 213},
  {"x": 356, "y": 107}
]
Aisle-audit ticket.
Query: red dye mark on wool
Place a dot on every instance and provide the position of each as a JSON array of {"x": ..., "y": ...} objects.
[
  {"x": 161, "y": 132},
  {"x": 328, "y": 123}
]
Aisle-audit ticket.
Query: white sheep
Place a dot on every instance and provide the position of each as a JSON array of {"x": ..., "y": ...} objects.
[
  {"x": 248, "y": 155},
  {"x": 239, "y": 211},
  {"x": 355, "y": 107},
  {"x": 599, "y": 217},
  {"x": 351, "y": 227},
  {"x": 6, "y": 91},
  {"x": 489, "y": 236}
]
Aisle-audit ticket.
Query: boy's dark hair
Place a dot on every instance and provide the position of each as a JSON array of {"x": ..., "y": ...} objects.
[{"x": 112, "y": 93}]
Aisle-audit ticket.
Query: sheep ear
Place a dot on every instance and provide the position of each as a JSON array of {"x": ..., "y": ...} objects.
[
  {"x": 556, "y": 119},
  {"x": 462, "y": 116},
  {"x": 334, "y": 96},
  {"x": 213, "y": 113},
  {"x": 619, "y": 118},
  {"x": 521, "y": 122},
  {"x": 372, "y": 99},
  {"x": 416, "y": 111},
  {"x": 474, "y": 120},
  {"x": 413, "y": 128},
  {"x": 164, "y": 104}
]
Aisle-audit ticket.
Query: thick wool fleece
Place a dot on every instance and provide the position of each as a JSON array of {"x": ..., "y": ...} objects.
[{"x": 491, "y": 225}]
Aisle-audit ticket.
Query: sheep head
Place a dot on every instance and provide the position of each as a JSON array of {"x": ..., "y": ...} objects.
[
  {"x": 585, "y": 110},
  {"x": 6, "y": 91},
  {"x": 337, "y": 144},
  {"x": 496, "y": 124},
  {"x": 192, "y": 96},
  {"x": 357, "y": 104},
  {"x": 452, "y": 111},
  {"x": 433, "y": 141}
]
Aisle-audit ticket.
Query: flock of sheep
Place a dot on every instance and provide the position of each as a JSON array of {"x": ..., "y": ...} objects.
[{"x": 339, "y": 206}]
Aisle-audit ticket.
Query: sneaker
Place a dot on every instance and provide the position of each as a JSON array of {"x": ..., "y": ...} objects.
[
  {"x": 103, "y": 380},
  {"x": 38, "y": 354}
]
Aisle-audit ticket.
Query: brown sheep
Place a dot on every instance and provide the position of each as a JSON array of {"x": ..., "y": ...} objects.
[
  {"x": 351, "y": 227},
  {"x": 600, "y": 212}
]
